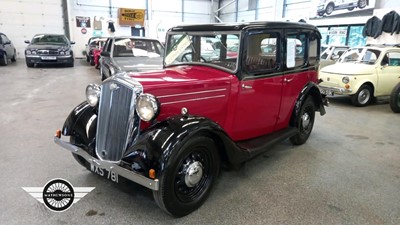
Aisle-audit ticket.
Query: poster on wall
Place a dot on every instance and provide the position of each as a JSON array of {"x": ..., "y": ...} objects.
[
  {"x": 342, "y": 8},
  {"x": 83, "y": 21},
  {"x": 131, "y": 17}
]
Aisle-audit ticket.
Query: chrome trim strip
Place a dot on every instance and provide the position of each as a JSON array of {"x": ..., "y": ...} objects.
[
  {"x": 130, "y": 175},
  {"x": 336, "y": 90},
  {"x": 195, "y": 99},
  {"x": 192, "y": 93}
]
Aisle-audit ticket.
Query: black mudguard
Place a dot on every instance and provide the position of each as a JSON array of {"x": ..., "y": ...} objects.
[
  {"x": 310, "y": 89},
  {"x": 158, "y": 143},
  {"x": 81, "y": 125}
]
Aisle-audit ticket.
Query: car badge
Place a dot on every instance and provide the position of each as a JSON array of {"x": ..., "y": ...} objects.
[{"x": 114, "y": 86}]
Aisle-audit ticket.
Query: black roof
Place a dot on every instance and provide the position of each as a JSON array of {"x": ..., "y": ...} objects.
[{"x": 241, "y": 26}]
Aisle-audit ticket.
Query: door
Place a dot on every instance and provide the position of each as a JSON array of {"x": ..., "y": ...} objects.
[
  {"x": 105, "y": 60},
  {"x": 7, "y": 46},
  {"x": 388, "y": 73},
  {"x": 259, "y": 94}
]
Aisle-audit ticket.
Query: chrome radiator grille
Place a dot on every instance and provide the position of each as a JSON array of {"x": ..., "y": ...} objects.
[{"x": 115, "y": 119}]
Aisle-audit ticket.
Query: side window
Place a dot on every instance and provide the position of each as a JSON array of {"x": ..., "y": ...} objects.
[
  {"x": 394, "y": 58},
  {"x": 108, "y": 47},
  {"x": 1, "y": 39},
  {"x": 313, "y": 51},
  {"x": 5, "y": 39},
  {"x": 261, "y": 53},
  {"x": 296, "y": 49}
]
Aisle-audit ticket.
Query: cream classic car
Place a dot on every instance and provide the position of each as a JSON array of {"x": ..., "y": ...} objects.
[{"x": 362, "y": 73}]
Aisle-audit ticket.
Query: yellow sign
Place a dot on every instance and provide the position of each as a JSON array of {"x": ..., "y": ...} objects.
[{"x": 131, "y": 17}]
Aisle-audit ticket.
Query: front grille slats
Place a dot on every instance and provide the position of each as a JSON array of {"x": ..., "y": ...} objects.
[
  {"x": 113, "y": 127},
  {"x": 48, "y": 52}
]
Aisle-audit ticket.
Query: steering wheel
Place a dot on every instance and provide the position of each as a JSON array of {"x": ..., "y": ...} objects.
[{"x": 185, "y": 58}]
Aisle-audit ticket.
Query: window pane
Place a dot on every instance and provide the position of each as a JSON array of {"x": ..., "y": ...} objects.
[
  {"x": 300, "y": 48},
  {"x": 261, "y": 53},
  {"x": 355, "y": 36}
]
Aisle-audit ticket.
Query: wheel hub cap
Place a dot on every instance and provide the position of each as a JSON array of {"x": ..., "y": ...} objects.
[
  {"x": 363, "y": 96},
  {"x": 305, "y": 119},
  {"x": 193, "y": 174}
]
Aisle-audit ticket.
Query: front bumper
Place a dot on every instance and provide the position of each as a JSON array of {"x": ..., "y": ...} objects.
[
  {"x": 128, "y": 174},
  {"x": 37, "y": 59},
  {"x": 330, "y": 91}
]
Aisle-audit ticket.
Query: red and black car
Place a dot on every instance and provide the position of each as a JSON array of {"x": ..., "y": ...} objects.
[{"x": 170, "y": 130}]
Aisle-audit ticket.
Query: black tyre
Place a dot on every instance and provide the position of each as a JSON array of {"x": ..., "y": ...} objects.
[
  {"x": 363, "y": 96},
  {"x": 87, "y": 58},
  {"x": 395, "y": 99},
  {"x": 91, "y": 61},
  {"x": 329, "y": 9},
  {"x": 320, "y": 13},
  {"x": 3, "y": 60},
  {"x": 305, "y": 122},
  {"x": 29, "y": 64},
  {"x": 71, "y": 64},
  {"x": 14, "y": 58},
  {"x": 188, "y": 177},
  {"x": 362, "y": 3},
  {"x": 103, "y": 76},
  {"x": 350, "y": 9}
]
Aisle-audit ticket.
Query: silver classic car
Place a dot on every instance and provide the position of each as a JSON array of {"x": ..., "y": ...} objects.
[{"x": 130, "y": 54}]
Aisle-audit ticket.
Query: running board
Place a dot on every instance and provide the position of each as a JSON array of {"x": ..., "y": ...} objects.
[{"x": 261, "y": 144}]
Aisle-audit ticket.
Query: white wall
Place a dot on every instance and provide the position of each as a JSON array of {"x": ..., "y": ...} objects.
[
  {"x": 21, "y": 20},
  {"x": 162, "y": 15}
]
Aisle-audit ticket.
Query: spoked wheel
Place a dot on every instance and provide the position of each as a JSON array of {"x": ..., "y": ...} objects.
[
  {"x": 188, "y": 177},
  {"x": 395, "y": 99},
  {"x": 305, "y": 122}
]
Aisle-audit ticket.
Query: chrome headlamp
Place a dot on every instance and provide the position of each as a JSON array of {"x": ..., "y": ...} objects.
[
  {"x": 346, "y": 79},
  {"x": 147, "y": 107},
  {"x": 92, "y": 94}
]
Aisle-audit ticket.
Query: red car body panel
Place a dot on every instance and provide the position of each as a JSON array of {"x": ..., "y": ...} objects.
[{"x": 237, "y": 106}]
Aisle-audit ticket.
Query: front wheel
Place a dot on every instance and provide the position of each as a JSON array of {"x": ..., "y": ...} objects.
[
  {"x": 14, "y": 58},
  {"x": 3, "y": 60},
  {"x": 305, "y": 122},
  {"x": 395, "y": 99},
  {"x": 188, "y": 177},
  {"x": 363, "y": 96}
]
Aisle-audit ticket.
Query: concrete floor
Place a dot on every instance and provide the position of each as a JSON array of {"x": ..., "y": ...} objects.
[{"x": 347, "y": 173}]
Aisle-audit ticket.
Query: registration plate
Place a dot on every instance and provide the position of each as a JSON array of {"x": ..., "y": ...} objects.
[
  {"x": 49, "y": 58},
  {"x": 111, "y": 175},
  {"x": 327, "y": 92}
]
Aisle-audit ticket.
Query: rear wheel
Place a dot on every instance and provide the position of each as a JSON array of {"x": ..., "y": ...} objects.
[
  {"x": 91, "y": 61},
  {"x": 329, "y": 9},
  {"x": 363, "y": 96},
  {"x": 395, "y": 99},
  {"x": 188, "y": 177},
  {"x": 3, "y": 60},
  {"x": 362, "y": 3},
  {"x": 305, "y": 122}
]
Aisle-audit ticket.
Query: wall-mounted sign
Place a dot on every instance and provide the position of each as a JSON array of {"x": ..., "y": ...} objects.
[
  {"x": 131, "y": 17},
  {"x": 82, "y": 21},
  {"x": 83, "y": 30},
  {"x": 337, "y": 32}
]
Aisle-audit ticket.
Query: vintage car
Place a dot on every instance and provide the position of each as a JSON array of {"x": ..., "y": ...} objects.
[
  {"x": 170, "y": 130},
  {"x": 362, "y": 73},
  {"x": 91, "y": 45},
  {"x": 7, "y": 50},
  {"x": 331, "y": 54},
  {"x": 130, "y": 54},
  {"x": 49, "y": 49},
  {"x": 395, "y": 99},
  {"x": 328, "y": 6}
]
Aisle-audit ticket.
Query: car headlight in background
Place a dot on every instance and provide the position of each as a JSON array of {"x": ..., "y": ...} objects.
[
  {"x": 346, "y": 79},
  {"x": 147, "y": 107},
  {"x": 92, "y": 94},
  {"x": 68, "y": 52},
  {"x": 28, "y": 52}
]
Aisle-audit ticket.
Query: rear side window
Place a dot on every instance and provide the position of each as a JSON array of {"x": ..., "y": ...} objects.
[
  {"x": 394, "y": 58},
  {"x": 261, "y": 53},
  {"x": 296, "y": 50}
]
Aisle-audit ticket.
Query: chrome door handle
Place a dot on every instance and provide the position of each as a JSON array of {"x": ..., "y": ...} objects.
[
  {"x": 287, "y": 80},
  {"x": 246, "y": 86}
]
